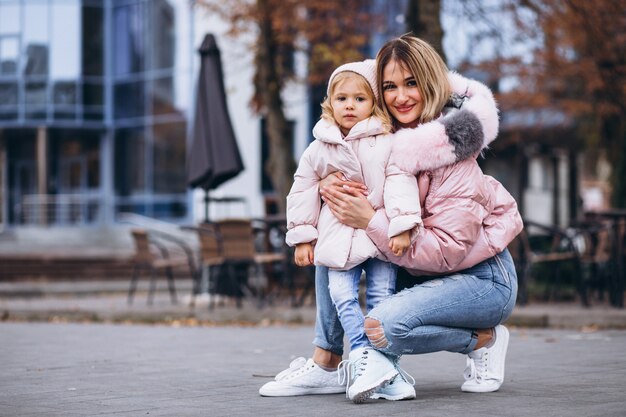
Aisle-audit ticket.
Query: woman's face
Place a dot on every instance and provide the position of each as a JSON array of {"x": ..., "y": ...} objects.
[{"x": 401, "y": 95}]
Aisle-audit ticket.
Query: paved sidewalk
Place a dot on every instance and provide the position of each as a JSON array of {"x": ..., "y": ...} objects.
[{"x": 72, "y": 369}]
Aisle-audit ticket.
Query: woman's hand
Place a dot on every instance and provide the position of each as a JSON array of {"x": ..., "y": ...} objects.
[
  {"x": 348, "y": 204},
  {"x": 337, "y": 181}
]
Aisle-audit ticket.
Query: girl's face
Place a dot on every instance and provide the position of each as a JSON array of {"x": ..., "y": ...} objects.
[
  {"x": 351, "y": 103},
  {"x": 401, "y": 95}
]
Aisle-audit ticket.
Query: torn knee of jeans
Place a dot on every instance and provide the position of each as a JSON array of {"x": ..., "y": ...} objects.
[{"x": 375, "y": 333}]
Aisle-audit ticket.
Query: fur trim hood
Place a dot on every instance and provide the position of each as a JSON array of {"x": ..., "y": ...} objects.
[{"x": 468, "y": 125}]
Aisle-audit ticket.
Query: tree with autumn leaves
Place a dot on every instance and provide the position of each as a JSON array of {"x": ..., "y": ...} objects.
[
  {"x": 582, "y": 68},
  {"x": 563, "y": 55}
]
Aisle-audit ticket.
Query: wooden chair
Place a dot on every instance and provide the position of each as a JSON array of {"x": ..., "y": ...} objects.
[
  {"x": 211, "y": 259},
  {"x": 239, "y": 252},
  {"x": 153, "y": 255}
]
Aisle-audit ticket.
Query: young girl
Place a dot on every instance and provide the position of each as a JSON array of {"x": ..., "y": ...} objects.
[{"x": 351, "y": 138}]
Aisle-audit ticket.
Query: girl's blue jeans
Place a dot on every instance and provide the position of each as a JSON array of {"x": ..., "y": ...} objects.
[
  {"x": 440, "y": 314},
  {"x": 380, "y": 281}
]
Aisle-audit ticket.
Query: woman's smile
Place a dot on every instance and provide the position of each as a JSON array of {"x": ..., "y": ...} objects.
[
  {"x": 401, "y": 95},
  {"x": 404, "y": 109}
]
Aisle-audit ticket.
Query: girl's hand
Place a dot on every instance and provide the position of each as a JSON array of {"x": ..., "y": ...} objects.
[
  {"x": 349, "y": 205},
  {"x": 303, "y": 255},
  {"x": 337, "y": 181},
  {"x": 400, "y": 243}
]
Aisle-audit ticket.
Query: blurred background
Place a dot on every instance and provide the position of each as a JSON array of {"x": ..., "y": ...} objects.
[{"x": 98, "y": 103}]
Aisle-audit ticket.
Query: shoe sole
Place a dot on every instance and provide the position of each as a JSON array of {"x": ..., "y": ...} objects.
[
  {"x": 484, "y": 388},
  {"x": 295, "y": 392},
  {"x": 376, "y": 396},
  {"x": 364, "y": 395}
]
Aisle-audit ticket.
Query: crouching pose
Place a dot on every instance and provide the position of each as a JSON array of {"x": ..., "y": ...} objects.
[{"x": 468, "y": 219}]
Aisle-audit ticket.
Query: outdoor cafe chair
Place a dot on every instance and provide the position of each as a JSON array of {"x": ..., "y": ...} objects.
[
  {"x": 211, "y": 260},
  {"x": 239, "y": 252},
  {"x": 153, "y": 254}
]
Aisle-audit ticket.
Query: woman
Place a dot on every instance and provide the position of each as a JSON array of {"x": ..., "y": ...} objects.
[{"x": 468, "y": 220}]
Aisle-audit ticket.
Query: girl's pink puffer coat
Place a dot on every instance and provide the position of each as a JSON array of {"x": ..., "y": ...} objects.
[{"x": 361, "y": 156}]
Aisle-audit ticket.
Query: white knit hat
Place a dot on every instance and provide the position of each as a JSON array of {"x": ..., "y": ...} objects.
[{"x": 366, "y": 68}]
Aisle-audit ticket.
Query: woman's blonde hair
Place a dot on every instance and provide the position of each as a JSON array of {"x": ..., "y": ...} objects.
[
  {"x": 377, "y": 111},
  {"x": 425, "y": 64}
]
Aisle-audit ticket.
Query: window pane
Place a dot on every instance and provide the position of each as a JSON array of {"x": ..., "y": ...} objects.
[
  {"x": 93, "y": 94},
  {"x": 169, "y": 158},
  {"x": 130, "y": 163},
  {"x": 36, "y": 60},
  {"x": 163, "y": 36},
  {"x": 35, "y": 113},
  {"x": 8, "y": 55},
  {"x": 35, "y": 93},
  {"x": 129, "y": 99},
  {"x": 8, "y": 113},
  {"x": 36, "y": 38},
  {"x": 95, "y": 113},
  {"x": 162, "y": 96},
  {"x": 93, "y": 41},
  {"x": 64, "y": 93},
  {"x": 93, "y": 100},
  {"x": 61, "y": 113},
  {"x": 9, "y": 18},
  {"x": 95, "y": 3},
  {"x": 8, "y": 93},
  {"x": 170, "y": 210},
  {"x": 129, "y": 44},
  {"x": 65, "y": 40}
]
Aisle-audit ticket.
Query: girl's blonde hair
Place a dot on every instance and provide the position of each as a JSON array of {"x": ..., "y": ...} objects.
[
  {"x": 425, "y": 64},
  {"x": 377, "y": 111}
]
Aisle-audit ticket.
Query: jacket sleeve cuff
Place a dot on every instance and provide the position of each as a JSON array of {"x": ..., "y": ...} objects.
[
  {"x": 377, "y": 229},
  {"x": 403, "y": 223},
  {"x": 301, "y": 234}
]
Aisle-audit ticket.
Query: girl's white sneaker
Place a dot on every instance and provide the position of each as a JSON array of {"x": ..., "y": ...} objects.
[{"x": 364, "y": 372}]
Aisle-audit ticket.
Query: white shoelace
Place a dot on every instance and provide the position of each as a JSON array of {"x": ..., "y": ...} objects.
[
  {"x": 344, "y": 372},
  {"x": 296, "y": 367},
  {"x": 349, "y": 370},
  {"x": 477, "y": 368}
]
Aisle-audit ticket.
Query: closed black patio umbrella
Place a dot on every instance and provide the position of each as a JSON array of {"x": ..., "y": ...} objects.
[{"x": 214, "y": 156}]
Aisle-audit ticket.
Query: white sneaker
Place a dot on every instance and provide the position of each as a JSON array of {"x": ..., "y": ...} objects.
[
  {"x": 303, "y": 377},
  {"x": 485, "y": 366},
  {"x": 400, "y": 388},
  {"x": 365, "y": 371}
]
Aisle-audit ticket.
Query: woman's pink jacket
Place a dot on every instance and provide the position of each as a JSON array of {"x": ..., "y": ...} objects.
[{"x": 467, "y": 216}]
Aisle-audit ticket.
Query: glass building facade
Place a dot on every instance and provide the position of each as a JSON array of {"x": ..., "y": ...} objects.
[{"x": 94, "y": 104}]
